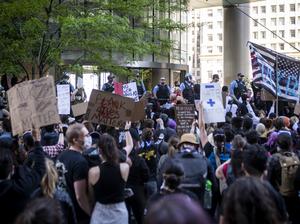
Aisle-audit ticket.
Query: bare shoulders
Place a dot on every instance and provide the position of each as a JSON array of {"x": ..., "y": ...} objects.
[
  {"x": 94, "y": 175},
  {"x": 124, "y": 168}
]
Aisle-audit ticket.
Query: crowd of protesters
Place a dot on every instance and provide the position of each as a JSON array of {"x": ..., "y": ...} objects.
[{"x": 245, "y": 170}]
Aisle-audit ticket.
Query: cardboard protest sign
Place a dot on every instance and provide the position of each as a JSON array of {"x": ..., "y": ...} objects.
[
  {"x": 32, "y": 104},
  {"x": 130, "y": 90},
  {"x": 211, "y": 98},
  {"x": 63, "y": 99},
  {"x": 118, "y": 88},
  {"x": 113, "y": 110},
  {"x": 79, "y": 109},
  {"x": 185, "y": 115}
]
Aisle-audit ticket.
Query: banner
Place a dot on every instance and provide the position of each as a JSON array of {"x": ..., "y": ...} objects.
[
  {"x": 113, "y": 110},
  {"x": 211, "y": 97},
  {"x": 275, "y": 72},
  {"x": 130, "y": 90},
  {"x": 185, "y": 115},
  {"x": 63, "y": 99},
  {"x": 79, "y": 109},
  {"x": 32, "y": 104}
]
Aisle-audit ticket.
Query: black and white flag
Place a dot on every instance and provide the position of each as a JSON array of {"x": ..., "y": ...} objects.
[{"x": 275, "y": 72}]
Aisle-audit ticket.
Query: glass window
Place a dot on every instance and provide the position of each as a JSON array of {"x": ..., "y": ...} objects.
[
  {"x": 293, "y": 33},
  {"x": 220, "y": 49},
  {"x": 274, "y": 33},
  {"x": 220, "y": 24},
  {"x": 209, "y": 49},
  {"x": 281, "y": 21},
  {"x": 209, "y": 72},
  {"x": 210, "y": 13},
  {"x": 292, "y": 7},
  {"x": 255, "y": 22},
  {"x": 255, "y": 9},
  {"x": 274, "y": 8},
  {"x": 281, "y": 46},
  {"x": 255, "y": 35},
  {"x": 281, "y": 33},
  {"x": 263, "y": 34},
  {"x": 210, "y": 37},
  {"x": 292, "y": 20},
  {"x": 273, "y": 46},
  {"x": 263, "y": 9},
  {"x": 263, "y": 21},
  {"x": 220, "y": 36},
  {"x": 220, "y": 12},
  {"x": 281, "y": 8},
  {"x": 274, "y": 21},
  {"x": 210, "y": 26}
]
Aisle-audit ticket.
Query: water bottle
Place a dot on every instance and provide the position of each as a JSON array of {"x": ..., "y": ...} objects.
[{"x": 207, "y": 195}]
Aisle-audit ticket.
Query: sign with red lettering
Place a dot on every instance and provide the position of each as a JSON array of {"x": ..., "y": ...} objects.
[
  {"x": 32, "y": 104},
  {"x": 113, "y": 110}
]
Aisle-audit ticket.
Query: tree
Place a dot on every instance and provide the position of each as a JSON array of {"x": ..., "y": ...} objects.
[{"x": 35, "y": 34}]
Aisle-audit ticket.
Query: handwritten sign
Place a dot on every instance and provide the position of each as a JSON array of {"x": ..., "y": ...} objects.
[
  {"x": 63, "y": 99},
  {"x": 185, "y": 115},
  {"x": 113, "y": 110},
  {"x": 32, "y": 104},
  {"x": 212, "y": 101},
  {"x": 130, "y": 90},
  {"x": 79, "y": 109}
]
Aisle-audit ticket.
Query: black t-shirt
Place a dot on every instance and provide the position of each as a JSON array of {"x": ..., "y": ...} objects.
[{"x": 72, "y": 167}]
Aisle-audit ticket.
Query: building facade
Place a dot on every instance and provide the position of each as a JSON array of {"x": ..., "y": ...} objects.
[{"x": 282, "y": 17}]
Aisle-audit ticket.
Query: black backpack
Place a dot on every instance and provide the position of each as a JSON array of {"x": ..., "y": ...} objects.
[{"x": 195, "y": 171}]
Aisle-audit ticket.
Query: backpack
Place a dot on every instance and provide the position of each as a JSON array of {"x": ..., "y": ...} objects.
[
  {"x": 289, "y": 163},
  {"x": 195, "y": 171}
]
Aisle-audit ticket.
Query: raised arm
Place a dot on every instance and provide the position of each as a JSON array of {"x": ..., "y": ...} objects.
[
  {"x": 203, "y": 134},
  {"x": 128, "y": 138}
]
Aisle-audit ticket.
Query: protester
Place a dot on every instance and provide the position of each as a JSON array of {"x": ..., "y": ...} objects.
[
  {"x": 248, "y": 201},
  {"x": 172, "y": 209},
  {"x": 282, "y": 172},
  {"x": 107, "y": 182},
  {"x": 43, "y": 211},
  {"x": 75, "y": 171},
  {"x": 17, "y": 183}
]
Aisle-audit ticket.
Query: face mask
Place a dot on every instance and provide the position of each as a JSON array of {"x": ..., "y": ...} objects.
[{"x": 87, "y": 142}]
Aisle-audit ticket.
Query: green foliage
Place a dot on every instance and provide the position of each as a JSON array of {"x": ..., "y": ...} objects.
[{"x": 35, "y": 33}]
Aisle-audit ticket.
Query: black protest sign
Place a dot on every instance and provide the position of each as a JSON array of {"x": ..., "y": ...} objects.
[{"x": 185, "y": 114}]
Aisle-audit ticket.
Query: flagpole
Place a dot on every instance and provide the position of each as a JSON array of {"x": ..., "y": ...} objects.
[{"x": 276, "y": 75}]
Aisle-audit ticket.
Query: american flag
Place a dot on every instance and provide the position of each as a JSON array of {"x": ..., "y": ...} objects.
[{"x": 275, "y": 72}]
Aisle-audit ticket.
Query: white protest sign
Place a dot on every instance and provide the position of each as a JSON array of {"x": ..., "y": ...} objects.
[
  {"x": 63, "y": 99},
  {"x": 130, "y": 90},
  {"x": 79, "y": 82},
  {"x": 211, "y": 97}
]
